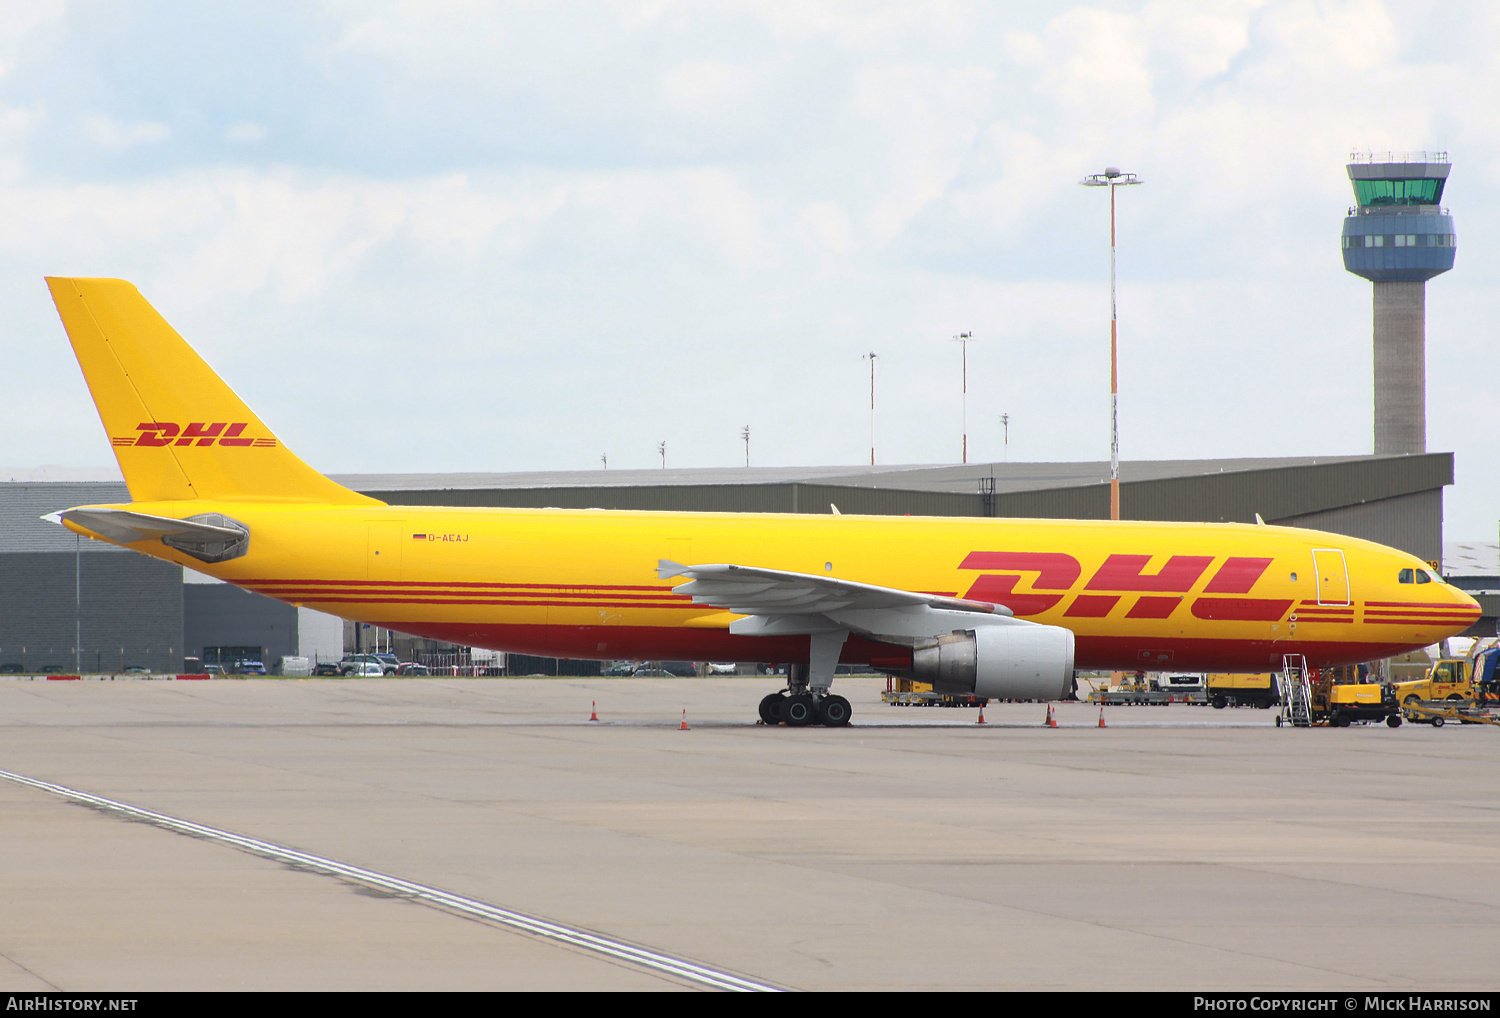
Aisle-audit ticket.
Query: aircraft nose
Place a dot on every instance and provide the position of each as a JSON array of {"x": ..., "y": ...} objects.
[{"x": 1462, "y": 610}]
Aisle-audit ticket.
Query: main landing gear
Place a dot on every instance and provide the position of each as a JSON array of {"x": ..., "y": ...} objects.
[{"x": 800, "y": 705}]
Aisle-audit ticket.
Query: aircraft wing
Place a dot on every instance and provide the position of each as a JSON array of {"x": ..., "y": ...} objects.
[{"x": 777, "y": 602}]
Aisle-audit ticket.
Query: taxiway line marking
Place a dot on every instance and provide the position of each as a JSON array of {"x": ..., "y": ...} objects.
[{"x": 679, "y": 968}]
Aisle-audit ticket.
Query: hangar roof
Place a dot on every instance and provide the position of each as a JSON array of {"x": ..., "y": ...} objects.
[{"x": 909, "y": 477}]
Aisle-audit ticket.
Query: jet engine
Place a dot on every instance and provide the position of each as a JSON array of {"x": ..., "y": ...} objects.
[{"x": 1028, "y": 662}]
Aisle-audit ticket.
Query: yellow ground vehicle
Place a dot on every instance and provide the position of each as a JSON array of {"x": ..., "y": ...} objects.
[
  {"x": 1258, "y": 690},
  {"x": 1447, "y": 679},
  {"x": 1341, "y": 696},
  {"x": 911, "y": 693}
]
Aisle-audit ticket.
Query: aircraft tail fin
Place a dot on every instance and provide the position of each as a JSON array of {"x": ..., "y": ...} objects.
[{"x": 177, "y": 430}]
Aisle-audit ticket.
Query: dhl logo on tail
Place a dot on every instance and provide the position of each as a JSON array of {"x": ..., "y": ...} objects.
[{"x": 160, "y": 434}]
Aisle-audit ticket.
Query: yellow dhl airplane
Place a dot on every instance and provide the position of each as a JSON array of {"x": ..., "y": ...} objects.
[{"x": 999, "y": 607}]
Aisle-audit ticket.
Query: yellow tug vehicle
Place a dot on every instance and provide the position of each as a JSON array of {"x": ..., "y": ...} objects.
[
  {"x": 1447, "y": 679},
  {"x": 1342, "y": 696},
  {"x": 1336, "y": 697}
]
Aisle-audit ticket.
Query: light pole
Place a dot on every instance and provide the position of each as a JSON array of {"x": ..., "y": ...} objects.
[
  {"x": 662, "y": 448},
  {"x": 1005, "y": 423},
  {"x": 871, "y": 358},
  {"x": 964, "y": 339},
  {"x": 1112, "y": 177},
  {"x": 745, "y": 434}
]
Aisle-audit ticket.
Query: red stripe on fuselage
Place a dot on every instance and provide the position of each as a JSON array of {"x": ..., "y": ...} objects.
[{"x": 450, "y": 583}]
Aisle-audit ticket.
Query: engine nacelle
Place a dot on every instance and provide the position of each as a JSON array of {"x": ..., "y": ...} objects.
[{"x": 999, "y": 662}]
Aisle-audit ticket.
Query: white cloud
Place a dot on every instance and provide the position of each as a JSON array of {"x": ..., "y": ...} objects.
[
  {"x": 107, "y": 133},
  {"x": 246, "y": 133}
]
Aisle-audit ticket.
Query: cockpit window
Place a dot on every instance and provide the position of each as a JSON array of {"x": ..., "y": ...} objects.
[
  {"x": 1423, "y": 577},
  {"x": 1406, "y": 576}
]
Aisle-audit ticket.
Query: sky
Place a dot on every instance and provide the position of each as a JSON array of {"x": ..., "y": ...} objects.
[{"x": 450, "y": 236}]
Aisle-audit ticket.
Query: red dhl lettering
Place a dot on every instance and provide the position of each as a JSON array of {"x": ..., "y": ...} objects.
[
  {"x": 1057, "y": 571},
  {"x": 160, "y": 434}
]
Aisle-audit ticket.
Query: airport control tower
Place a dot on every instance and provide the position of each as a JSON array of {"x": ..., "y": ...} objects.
[{"x": 1398, "y": 237}]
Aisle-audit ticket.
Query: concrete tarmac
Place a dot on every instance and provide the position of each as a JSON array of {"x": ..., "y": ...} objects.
[{"x": 1180, "y": 848}]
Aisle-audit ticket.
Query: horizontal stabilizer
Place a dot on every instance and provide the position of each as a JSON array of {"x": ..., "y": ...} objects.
[{"x": 211, "y": 537}]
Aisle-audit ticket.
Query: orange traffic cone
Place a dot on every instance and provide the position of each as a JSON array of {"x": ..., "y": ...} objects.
[
  {"x": 1101, "y": 717},
  {"x": 981, "y": 715},
  {"x": 1051, "y": 721},
  {"x": 593, "y": 710},
  {"x": 684, "y": 720}
]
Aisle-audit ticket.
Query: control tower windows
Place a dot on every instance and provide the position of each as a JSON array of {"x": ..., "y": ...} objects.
[
  {"x": 1399, "y": 192},
  {"x": 1399, "y": 240}
]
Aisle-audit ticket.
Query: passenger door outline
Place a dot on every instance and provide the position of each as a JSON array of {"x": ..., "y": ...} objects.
[{"x": 1331, "y": 572}]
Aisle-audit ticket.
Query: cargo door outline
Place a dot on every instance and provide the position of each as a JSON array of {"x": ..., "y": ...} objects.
[{"x": 1331, "y": 573}]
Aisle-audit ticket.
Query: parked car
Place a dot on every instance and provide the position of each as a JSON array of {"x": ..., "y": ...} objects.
[
  {"x": 11, "y": 668},
  {"x": 211, "y": 670},
  {"x": 388, "y": 663},
  {"x": 412, "y": 668},
  {"x": 137, "y": 670},
  {"x": 364, "y": 669},
  {"x": 621, "y": 668},
  {"x": 247, "y": 666},
  {"x": 326, "y": 668}
]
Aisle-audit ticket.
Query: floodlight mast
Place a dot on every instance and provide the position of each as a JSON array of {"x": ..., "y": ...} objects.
[
  {"x": 1113, "y": 177},
  {"x": 964, "y": 339},
  {"x": 871, "y": 358}
]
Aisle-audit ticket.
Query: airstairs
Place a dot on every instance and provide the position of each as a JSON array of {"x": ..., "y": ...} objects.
[{"x": 1296, "y": 693}]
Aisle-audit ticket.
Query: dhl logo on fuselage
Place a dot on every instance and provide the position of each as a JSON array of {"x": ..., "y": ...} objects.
[
  {"x": 1160, "y": 593},
  {"x": 159, "y": 434}
]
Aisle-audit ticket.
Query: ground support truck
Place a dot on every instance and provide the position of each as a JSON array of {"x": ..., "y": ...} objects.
[
  {"x": 1336, "y": 697},
  {"x": 910, "y": 693},
  {"x": 1447, "y": 679},
  {"x": 1261, "y": 690}
]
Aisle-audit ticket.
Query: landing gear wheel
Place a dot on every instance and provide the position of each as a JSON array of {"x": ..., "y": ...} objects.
[
  {"x": 833, "y": 711},
  {"x": 1393, "y": 721},
  {"x": 799, "y": 710},
  {"x": 773, "y": 708}
]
